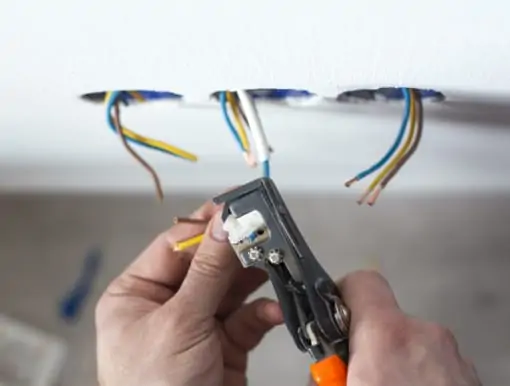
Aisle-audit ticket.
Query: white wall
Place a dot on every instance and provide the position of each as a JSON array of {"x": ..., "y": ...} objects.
[{"x": 55, "y": 50}]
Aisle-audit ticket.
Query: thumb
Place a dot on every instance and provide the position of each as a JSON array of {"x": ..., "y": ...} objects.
[{"x": 211, "y": 272}]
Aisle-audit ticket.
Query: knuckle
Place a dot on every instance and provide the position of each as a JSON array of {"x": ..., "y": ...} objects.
[
  {"x": 398, "y": 335},
  {"x": 440, "y": 333},
  {"x": 207, "y": 265}
]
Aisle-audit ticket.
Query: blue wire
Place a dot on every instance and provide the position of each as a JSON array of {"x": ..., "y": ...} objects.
[
  {"x": 266, "y": 169},
  {"x": 397, "y": 142},
  {"x": 223, "y": 103},
  {"x": 115, "y": 95}
]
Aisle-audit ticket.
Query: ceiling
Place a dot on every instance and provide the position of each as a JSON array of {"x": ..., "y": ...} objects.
[{"x": 54, "y": 51}]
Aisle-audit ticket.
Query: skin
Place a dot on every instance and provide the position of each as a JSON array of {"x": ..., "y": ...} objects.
[{"x": 180, "y": 319}]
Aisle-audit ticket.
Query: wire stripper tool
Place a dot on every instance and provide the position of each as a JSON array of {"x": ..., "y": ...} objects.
[{"x": 264, "y": 235}]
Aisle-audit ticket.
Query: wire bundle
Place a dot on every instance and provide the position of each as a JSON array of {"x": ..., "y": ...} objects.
[
  {"x": 246, "y": 123},
  {"x": 397, "y": 156},
  {"x": 112, "y": 101},
  {"x": 246, "y": 128}
]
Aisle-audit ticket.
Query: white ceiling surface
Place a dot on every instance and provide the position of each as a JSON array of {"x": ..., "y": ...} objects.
[{"x": 56, "y": 50}]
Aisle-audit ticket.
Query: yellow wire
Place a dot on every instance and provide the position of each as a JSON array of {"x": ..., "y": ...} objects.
[
  {"x": 191, "y": 242},
  {"x": 160, "y": 145},
  {"x": 238, "y": 121},
  {"x": 154, "y": 142},
  {"x": 107, "y": 96},
  {"x": 402, "y": 150}
]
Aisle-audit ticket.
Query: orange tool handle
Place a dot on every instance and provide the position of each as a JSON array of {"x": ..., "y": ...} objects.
[{"x": 331, "y": 371}]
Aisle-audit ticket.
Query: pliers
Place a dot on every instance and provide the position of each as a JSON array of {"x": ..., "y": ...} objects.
[{"x": 264, "y": 235}]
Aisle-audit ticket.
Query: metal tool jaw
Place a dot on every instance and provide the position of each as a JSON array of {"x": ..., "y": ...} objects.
[{"x": 263, "y": 234}]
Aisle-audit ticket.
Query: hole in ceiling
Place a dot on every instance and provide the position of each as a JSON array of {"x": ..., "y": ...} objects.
[
  {"x": 386, "y": 94},
  {"x": 273, "y": 94},
  {"x": 132, "y": 96}
]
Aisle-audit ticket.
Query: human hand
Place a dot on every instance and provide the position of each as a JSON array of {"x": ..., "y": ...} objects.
[
  {"x": 179, "y": 318},
  {"x": 388, "y": 347}
]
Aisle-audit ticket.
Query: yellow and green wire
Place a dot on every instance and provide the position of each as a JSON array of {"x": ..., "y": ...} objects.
[{"x": 111, "y": 98}]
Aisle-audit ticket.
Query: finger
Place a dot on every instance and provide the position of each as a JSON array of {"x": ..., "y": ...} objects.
[
  {"x": 246, "y": 327},
  {"x": 158, "y": 265},
  {"x": 246, "y": 282},
  {"x": 366, "y": 293},
  {"x": 211, "y": 272},
  {"x": 471, "y": 369}
]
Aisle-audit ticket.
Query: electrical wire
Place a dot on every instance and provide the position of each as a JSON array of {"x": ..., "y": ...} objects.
[
  {"x": 242, "y": 113},
  {"x": 189, "y": 220},
  {"x": 134, "y": 154},
  {"x": 401, "y": 152},
  {"x": 228, "y": 121},
  {"x": 238, "y": 122},
  {"x": 188, "y": 243},
  {"x": 259, "y": 136},
  {"x": 414, "y": 146},
  {"x": 392, "y": 149},
  {"x": 243, "y": 136},
  {"x": 137, "y": 96},
  {"x": 402, "y": 161},
  {"x": 266, "y": 169},
  {"x": 141, "y": 140},
  {"x": 245, "y": 121}
]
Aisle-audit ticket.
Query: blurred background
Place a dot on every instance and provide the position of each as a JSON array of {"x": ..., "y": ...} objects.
[{"x": 445, "y": 255}]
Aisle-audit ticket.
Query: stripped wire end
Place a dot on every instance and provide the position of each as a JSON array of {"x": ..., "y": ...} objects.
[
  {"x": 250, "y": 159},
  {"x": 188, "y": 243},
  {"x": 364, "y": 196},
  {"x": 351, "y": 181},
  {"x": 189, "y": 220},
  {"x": 373, "y": 198}
]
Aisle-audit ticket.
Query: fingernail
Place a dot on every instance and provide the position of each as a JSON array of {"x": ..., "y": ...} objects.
[{"x": 217, "y": 232}]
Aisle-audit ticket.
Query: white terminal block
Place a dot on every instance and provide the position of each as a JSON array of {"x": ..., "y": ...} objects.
[{"x": 240, "y": 228}]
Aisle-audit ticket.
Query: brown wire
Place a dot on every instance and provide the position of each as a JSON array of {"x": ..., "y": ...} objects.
[
  {"x": 412, "y": 149},
  {"x": 188, "y": 220},
  {"x": 145, "y": 164}
]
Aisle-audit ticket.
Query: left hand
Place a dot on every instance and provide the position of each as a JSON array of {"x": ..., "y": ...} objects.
[{"x": 180, "y": 318}]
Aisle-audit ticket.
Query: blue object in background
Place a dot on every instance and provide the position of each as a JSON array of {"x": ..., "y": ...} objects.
[{"x": 73, "y": 302}]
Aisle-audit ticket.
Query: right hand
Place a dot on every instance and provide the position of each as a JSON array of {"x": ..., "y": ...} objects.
[{"x": 387, "y": 347}]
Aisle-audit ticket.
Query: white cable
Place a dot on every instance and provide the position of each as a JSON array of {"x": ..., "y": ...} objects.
[{"x": 257, "y": 131}]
